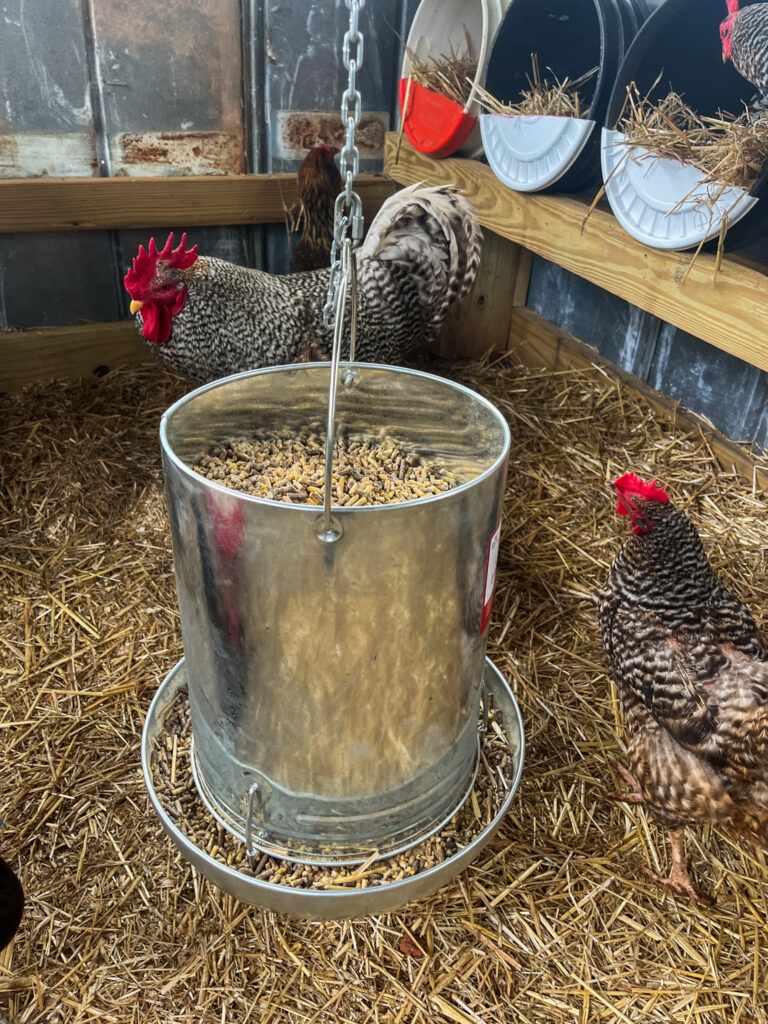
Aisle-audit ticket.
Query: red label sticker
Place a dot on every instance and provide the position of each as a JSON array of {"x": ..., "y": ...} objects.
[{"x": 490, "y": 578}]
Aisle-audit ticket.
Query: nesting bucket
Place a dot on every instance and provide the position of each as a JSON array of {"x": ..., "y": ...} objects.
[
  {"x": 433, "y": 123},
  {"x": 659, "y": 201},
  {"x": 335, "y": 686},
  {"x": 569, "y": 38}
]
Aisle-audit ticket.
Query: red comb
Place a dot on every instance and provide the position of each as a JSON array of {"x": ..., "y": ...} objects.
[
  {"x": 137, "y": 279},
  {"x": 733, "y": 6},
  {"x": 630, "y": 483}
]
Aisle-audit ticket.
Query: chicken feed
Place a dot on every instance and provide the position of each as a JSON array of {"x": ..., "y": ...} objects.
[
  {"x": 181, "y": 801},
  {"x": 292, "y": 470}
]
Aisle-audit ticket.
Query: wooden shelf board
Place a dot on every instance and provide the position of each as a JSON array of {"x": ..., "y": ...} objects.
[
  {"x": 728, "y": 309},
  {"x": 87, "y": 204},
  {"x": 77, "y": 351}
]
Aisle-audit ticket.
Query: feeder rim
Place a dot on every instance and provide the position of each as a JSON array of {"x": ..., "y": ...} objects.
[
  {"x": 320, "y": 898},
  {"x": 305, "y": 509}
]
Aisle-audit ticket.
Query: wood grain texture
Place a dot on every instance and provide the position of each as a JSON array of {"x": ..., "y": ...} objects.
[
  {"x": 539, "y": 344},
  {"x": 479, "y": 323},
  {"x": 87, "y": 204},
  {"x": 78, "y": 351},
  {"x": 728, "y": 309}
]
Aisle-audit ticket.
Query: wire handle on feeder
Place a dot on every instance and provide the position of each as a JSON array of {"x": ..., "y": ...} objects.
[{"x": 347, "y": 235}]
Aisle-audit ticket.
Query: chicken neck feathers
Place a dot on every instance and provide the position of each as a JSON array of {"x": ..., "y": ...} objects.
[{"x": 749, "y": 48}]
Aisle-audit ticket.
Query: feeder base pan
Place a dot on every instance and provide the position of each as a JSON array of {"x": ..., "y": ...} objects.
[
  {"x": 333, "y": 904},
  {"x": 334, "y": 852}
]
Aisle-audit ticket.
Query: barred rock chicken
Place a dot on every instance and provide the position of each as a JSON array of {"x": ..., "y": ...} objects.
[
  {"x": 207, "y": 318},
  {"x": 11, "y": 903},
  {"x": 319, "y": 183},
  {"x": 692, "y": 672},
  {"x": 744, "y": 37}
]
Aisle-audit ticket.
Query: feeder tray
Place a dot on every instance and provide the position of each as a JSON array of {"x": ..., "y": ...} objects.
[
  {"x": 333, "y": 904},
  {"x": 666, "y": 203}
]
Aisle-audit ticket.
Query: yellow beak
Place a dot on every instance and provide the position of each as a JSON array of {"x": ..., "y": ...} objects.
[{"x": 136, "y": 305}]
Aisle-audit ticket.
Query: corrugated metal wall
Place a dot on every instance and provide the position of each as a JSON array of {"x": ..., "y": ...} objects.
[{"x": 111, "y": 87}]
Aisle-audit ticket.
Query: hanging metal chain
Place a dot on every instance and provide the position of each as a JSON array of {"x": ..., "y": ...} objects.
[{"x": 348, "y": 212}]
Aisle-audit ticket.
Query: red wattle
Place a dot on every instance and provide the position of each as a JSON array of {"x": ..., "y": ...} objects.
[{"x": 156, "y": 322}]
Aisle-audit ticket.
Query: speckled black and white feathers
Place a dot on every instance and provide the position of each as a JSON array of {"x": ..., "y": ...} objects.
[
  {"x": 749, "y": 48},
  {"x": 421, "y": 253},
  {"x": 692, "y": 673}
]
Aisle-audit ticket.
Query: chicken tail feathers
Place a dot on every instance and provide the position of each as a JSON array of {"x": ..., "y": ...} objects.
[
  {"x": 752, "y": 824},
  {"x": 436, "y": 230}
]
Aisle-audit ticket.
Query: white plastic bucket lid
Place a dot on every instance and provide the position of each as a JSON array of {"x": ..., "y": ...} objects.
[
  {"x": 663, "y": 202},
  {"x": 530, "y": 152}
]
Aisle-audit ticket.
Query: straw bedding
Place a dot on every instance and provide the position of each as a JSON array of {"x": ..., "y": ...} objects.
[
  {"x": 555, "y": 922},
  {"x": 730, "y": 149}
]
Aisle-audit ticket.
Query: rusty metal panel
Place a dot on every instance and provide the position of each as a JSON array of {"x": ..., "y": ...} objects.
[
  {"x": 45, "y": 97},
  {"x": 306, "y": 77},
  {"x": 171, "y": 85}
]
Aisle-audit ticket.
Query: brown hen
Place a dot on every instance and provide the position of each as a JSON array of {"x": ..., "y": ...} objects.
[
  {"x": 319, "y": 183},
  {"x": 692, "y": 673}
]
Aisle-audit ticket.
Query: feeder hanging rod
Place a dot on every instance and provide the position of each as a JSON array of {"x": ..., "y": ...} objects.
[{"x": 347, "y": 234}]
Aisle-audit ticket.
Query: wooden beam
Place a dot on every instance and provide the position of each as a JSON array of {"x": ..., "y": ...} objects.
[
  {"x": 537, "y": 343},
  {"x": 87, "y": 204},
  {"x": 78, "y": 351},
  {"x": 728, "y": 309}
]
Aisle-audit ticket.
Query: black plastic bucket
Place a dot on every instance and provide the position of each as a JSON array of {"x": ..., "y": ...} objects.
[
  {"x": 570, "y": 37},
  {"x": 681, "y": 42}
]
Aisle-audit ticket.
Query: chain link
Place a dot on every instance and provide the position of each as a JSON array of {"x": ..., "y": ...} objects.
[{"x": 348, "y": 211}]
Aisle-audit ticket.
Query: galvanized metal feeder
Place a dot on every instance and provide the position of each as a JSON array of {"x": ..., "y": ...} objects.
[{"x": 335, "y": 657}]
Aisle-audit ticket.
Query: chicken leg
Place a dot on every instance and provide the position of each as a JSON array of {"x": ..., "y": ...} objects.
[{"x": 678, "y": 881}]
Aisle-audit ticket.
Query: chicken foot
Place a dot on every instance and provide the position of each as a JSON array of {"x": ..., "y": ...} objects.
[{"x": 678, "y": 880}]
